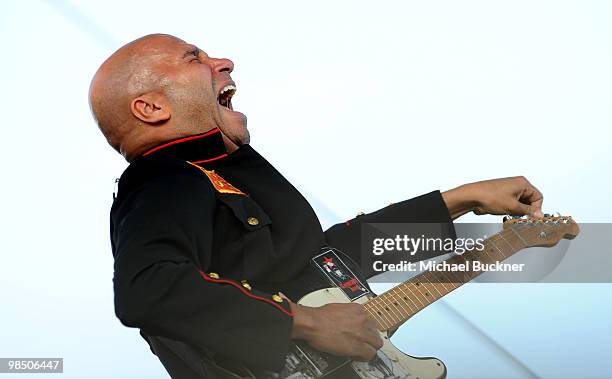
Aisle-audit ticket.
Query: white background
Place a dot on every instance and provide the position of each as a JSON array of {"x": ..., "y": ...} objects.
[{"x": 359, "y": 104}]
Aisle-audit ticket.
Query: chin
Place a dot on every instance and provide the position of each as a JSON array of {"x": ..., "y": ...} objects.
[
  {"x": 240, "y": 139},
  {"x": 234, "y": 126},
  {"x": 237, "y": 133}
]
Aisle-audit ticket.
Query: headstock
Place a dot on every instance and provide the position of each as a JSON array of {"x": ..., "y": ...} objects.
[{"x": 543, "y": 231}]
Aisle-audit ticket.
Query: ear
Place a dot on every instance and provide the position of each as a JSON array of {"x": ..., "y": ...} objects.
[{"x": 152, "y": 108}]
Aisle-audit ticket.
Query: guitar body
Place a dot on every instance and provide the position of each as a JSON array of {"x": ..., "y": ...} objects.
[
  {"x": 332, "y": 277},
  {"x": 390, "y": 362}
]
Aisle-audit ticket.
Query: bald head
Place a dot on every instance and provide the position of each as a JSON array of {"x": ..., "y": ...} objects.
[
  {"x": 127, "y": 73},
  {"x": 152, "y": 90}
]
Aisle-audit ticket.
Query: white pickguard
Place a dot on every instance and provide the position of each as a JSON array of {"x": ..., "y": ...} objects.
[{"x": 398, "y": 365}]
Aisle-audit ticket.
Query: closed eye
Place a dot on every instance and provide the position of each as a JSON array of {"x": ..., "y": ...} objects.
[{"x": 194, "y": 53}]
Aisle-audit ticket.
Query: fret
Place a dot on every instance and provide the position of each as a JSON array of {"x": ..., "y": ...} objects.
[
  {"x": 462, "y": 276},
  {"x": 418, "y": 304},
  {"x": 390, "y": 301},
  {"x": 519, "y": 236},
  {"x": 385, "y": 307},
  {"x": 507, "y": 251},
  {"x": 373, "y": 316},
  {"x": 515, "y": 240},
  {"x": 457, "y": 275},
  {"x": 430, "y": 295},
  {"x": 388, "y": 306},
  {"x": 393, "y": 297},
  {"x": 426, "y": 283},
  {"x": 427, "y": 275},
  {"x": 393, "y": 300},
  {"x": 399, "y": 296},
  {"x": 379, "y": 311},
  {"x": 442, "y": 282},
  {"x": 498, "y": 249},
  {"x": 501, "y": 236},
  {"x": 385, "y": 298},
  {"x": 493, "y": 250},
  {"x": 400, "y": 303},
  {"x": 409, "y": 297},
  {"x": 450, "y": 282},
  {"x": 418, "y": 294},
  {"x": 484, "y": 251},
  {"x": 423, "y": 291}
]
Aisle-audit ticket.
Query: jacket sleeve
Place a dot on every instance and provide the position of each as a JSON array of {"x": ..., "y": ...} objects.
[
  {"x": 424, "y": 215},
  {"x": 162, "y": 288}
]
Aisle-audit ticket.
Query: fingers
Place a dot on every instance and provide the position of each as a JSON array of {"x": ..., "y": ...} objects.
[
  {"x": 364, "y": 352},
  {"x": 533, "y": 198},
  {"x": 513, "y": 195},
  {"x": 344, "y": 330},
  {"x": 520, "y": 209},
  {"x": 372, "y": 341},
  {"x": 367, "y": 339},
  {"x": 371, "y": 336}
]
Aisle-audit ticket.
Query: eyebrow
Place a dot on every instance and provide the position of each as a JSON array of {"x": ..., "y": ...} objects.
[{"x": 193, "y": 50}]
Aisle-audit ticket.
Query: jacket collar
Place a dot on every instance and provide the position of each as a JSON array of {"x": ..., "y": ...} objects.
[{"x": 199, "y": 148}]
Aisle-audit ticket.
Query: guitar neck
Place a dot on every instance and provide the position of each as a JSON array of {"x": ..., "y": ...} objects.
[{"x": 396, "y": 306}]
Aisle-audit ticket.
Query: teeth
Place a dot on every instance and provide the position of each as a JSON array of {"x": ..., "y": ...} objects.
[
  {"x": 229, "y": 87},
  {"x": 225, "y": 96}
]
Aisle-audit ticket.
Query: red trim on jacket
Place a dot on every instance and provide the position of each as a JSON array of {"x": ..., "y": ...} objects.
[
  {"x": 216, "y": 130},
  {"x": 210, "y": 159},
  {"x": 244, "y": 291}
]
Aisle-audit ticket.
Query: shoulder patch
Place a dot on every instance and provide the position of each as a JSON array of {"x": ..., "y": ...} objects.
[{"x": 220, "y": 184}]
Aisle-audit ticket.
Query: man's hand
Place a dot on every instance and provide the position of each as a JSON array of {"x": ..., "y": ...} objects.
[
  {"x": 512, "y": 196},
  {"x": 340, "y": 329}
]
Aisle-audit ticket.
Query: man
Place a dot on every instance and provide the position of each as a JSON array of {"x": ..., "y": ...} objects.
[{"x": 204, "y": 230}]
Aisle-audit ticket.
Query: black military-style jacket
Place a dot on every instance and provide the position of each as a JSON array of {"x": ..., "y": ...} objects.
[{"x": 201, "y": 240}]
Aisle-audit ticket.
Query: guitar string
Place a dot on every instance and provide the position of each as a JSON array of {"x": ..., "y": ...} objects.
[
  {"x": 426, "y": 294},
  {"x": 503, "y": 256},
  {"x": 499, "y": 236}
]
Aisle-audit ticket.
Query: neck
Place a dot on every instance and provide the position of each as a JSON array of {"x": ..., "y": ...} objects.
[
  {"x": 396, "y": 306},
  {"x": 230, "y": 146}
]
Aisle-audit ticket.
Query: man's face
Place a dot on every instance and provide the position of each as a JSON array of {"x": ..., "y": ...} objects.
[{"x": 200, "y": 90}]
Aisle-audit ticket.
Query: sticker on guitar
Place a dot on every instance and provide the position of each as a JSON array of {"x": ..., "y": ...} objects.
[{"x": 339, "y": 274}]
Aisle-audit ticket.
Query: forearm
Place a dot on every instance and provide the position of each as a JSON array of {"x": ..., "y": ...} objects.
[
  {"x": 513, "y": 195},
  {"x": 460, "y": 200}
]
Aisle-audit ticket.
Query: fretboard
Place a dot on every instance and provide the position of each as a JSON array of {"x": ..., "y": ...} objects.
[{"x": 397, "y": 305}]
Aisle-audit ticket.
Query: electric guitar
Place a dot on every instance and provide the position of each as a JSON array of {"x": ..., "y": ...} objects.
[{"x": 334, "y": 278}]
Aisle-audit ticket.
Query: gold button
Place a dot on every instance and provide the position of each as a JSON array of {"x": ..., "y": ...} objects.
[
  {"x": 246, "y": 285},
  {"x": 277, "y": 298},
  {"x": 214, "y": 275},
  {"x": 360, "y": 214},
  {"x": 253, "y": 221}
]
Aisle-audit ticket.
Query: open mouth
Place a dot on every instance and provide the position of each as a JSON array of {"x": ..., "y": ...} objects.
[{"x": 225, "y": 96}]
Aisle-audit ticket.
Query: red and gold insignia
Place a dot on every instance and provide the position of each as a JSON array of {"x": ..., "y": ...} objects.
[{"x": 218, "y": 182}]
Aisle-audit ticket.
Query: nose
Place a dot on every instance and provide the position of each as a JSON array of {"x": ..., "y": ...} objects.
[{"x": 223, "y": 65}]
